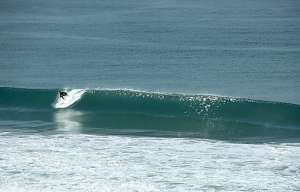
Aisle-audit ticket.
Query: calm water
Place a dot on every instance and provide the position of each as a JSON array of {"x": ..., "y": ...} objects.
[
  {"x": 239, "y": 48},
  {"x": 183, "y": 95}
]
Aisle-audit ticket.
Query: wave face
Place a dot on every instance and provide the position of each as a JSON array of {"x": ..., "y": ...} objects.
[{"x": 154, "y": 114}]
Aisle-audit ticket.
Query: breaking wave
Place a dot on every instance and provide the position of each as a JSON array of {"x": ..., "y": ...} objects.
[{"x": 166, "y": 114}]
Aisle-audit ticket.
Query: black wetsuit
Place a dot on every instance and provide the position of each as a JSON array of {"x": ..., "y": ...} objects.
[{"x": 62, "y": 94}]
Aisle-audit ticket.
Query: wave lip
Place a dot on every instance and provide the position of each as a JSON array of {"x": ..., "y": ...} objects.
[{"x": 157, "y": 112}]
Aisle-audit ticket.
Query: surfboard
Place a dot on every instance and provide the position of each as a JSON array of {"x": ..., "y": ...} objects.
[{"x": 70, "y": 99}]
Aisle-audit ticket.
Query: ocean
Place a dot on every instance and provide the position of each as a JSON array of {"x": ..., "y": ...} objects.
[{"x": 180, "y": 95}]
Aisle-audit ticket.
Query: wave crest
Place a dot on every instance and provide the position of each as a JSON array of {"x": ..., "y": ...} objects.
[{"x": 203, "y": 112}]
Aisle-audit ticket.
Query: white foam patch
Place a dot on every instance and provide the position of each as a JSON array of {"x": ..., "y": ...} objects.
[
  {"x": 77, "y": 162},
  {"x": 71, "y": 98}
]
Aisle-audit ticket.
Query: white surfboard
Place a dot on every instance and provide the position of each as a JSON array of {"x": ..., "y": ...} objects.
[{"x": 70, "y": 99}]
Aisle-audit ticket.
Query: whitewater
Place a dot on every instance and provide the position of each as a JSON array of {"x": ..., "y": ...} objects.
[{"x": 80, "y": 162}]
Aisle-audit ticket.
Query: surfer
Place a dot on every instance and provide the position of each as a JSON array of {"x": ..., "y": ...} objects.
[{"x": 62, "y": 94}]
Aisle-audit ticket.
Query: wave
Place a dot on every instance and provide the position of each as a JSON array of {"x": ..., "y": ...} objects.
[{"x": 192, "y": 115}]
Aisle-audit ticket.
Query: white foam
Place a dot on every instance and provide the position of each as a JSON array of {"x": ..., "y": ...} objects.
[
  {"x": 71, "y": 98},
  {"x": 77, "y": 162}
]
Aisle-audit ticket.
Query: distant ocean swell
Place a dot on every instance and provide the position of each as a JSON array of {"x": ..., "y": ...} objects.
[{"x": 159, "y": 114}]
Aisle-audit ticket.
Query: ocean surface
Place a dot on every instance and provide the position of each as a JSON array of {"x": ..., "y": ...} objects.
[{"x": 180, "y": 95}]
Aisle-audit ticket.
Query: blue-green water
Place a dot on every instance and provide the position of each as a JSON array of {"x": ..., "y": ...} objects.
[
  {"x": 248, "y": 49},
  {"x": 132, "y": 112},
  {"x": 181, "y": 95}
]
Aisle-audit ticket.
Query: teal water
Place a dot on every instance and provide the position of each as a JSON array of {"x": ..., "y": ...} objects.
[
  {"x": 188, "y": 95},
  {"x": 130, "y": 112}
]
